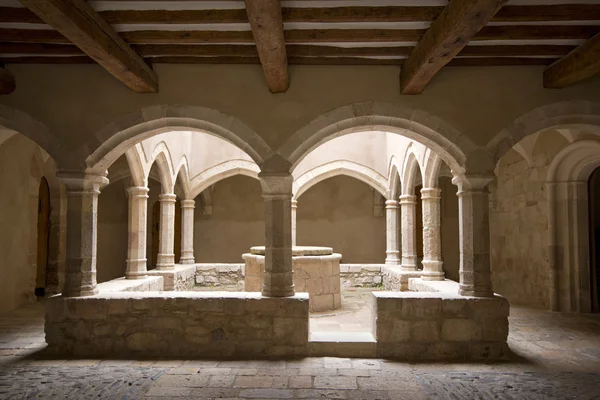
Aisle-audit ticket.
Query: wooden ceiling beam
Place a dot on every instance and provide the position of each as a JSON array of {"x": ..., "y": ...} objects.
[
  {"x": 514, "y": 13},
  {"x": 446, "y": 37},
  {"x": 7, "y": 81},
  {"x": 77, "y": 21},
  {"x": 267, "y": 30},
  {"x": 580, "y": 64}
]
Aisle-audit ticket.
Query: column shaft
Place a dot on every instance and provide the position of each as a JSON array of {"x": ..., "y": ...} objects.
[
  {"x": 166, "y": 245},
  {"x": 391, "y": 233},
  {"x": 82, "y": 214},
  {"x": 136, "y": 252},
  {"x": 408, "y": 209},
  {"x": 432, "y": 239},
  {"x": 187, "y": 231},
  {"x": 474, "y": 231},
  {"x": 277, "y": 193},
  {"x": 294, "y": 213}
]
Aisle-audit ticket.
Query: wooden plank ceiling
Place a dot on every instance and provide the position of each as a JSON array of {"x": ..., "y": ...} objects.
[{"x": 321, "y": 32}]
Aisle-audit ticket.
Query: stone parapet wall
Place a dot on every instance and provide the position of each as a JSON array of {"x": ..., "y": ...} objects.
[
  {"x": 361, "y": 275},
  {"x": 421, "y": 285},
  {"x": 396, "y": 279},
  {"x": 148, "y": 284},
  {"x": 181, "y": 278},
  {"x": 439, "y": 326},
  {"x": 193, "y": 324},
  {"x": 215, "y": 275}
]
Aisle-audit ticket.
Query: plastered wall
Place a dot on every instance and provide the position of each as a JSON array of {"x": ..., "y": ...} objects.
[
  {"x": 338, "y": 213},
  {"x": 112, "y": 231}
]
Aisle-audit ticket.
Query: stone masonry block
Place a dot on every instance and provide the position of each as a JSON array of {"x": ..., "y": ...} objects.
[{"x": 458, "y": 330}]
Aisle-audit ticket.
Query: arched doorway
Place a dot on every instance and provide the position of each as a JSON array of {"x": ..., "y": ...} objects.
[
  {"x": 594, "y": 231},
  {"x": 43, "y": 237}
]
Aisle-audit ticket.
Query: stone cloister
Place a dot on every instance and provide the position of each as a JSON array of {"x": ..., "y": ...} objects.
[{"x": 539, "y": 165}]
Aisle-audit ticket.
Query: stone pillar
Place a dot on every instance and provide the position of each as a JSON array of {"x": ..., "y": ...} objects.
[
  {"x": 166, "y": 242},
  {"x": 294, "y": 213},
  {"x": 408, "y": 209},
  {"x": 187, "y": 231},
  {"x": 474, "y": 232},
  {"x": 432, "y": 239},
  {"x": 82, "y": 214},
  {"x": 136, "y": 252},
  {"x": 392, "y": 250},
  {"x": 277, "y": 193}
]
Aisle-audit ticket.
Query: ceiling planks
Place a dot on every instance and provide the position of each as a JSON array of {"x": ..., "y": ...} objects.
[
  {"x": 7, "y": 81},
  {"x": 267, "y": 31},
  {"x": 78, "y": 22},
  {"x": 448, "y": 35},
  {"x": 580, "y": 64}
]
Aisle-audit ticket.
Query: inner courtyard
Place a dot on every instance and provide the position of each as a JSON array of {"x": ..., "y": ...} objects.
[{"x": 292, "y": 199}]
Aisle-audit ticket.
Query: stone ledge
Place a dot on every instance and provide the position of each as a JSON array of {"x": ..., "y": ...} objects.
[
  {"x": 148, "y": 284},
  {"x": 420, "y": 285},
  {"x": 182, "y": 277},
  {"x": 297, "y": 251},
  {"x": 396, "y": 278}
]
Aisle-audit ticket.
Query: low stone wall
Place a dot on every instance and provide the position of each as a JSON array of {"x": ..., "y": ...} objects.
[
  {"x": 439, "y": 326},
  {"x": 421, "y": 285},
  {"x": 361, "y": 275},
  {"x": 181, "y": 278},
  {"x": 215, "y": 275},
  {"x": 396, "y": 279},
  {"x": 149, "y": 284},
  {"x": 192, "y": 324}
]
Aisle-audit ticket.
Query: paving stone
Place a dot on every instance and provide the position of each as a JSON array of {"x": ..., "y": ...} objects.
[
  {"x": 253, "y": 382},
  {"x": 335, "y": 382},
  {"x": 169, "y": 391},
  {"x": 266, "y": 394},
  {"x": 321, "y": 394},
  {"x": 300, "y": 382},
  {"x": 216, "y": 393},
  {"x": 221, "y": 381}
]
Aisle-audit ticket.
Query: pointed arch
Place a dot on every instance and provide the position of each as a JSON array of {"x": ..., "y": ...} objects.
[
  {"x": 182, "y": 171},
  {"x": 136, "y": 167},
  {"x": 162, "y": 157},
  {"x": 219, "y": 172},
  {"x": 410, "y": 167},
  {"x": 394, "y": 185},
  {"x": 335, "y": 168},
  {"x": 431, "y": 174}
]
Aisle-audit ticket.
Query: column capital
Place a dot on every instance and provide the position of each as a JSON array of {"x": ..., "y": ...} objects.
[
  {"x": 138, "y": 191},
  {"x": 294, "y": 203},
  {"x": 431, "y": 193},
  {"x": 391, "y": 204},
  {"x": 188, "y": 203},
  {"x": 167, "y": 197},
  {"x": 80, "y": 181},
  {"x": 276, "y": 184},
  {"x": 472, "y": 183},
  {"x": 408, "y": 199}
]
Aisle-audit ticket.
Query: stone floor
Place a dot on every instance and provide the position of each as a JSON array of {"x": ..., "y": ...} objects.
[
  {"x": 354, "y": 316},
  {"x": 556, "y": 356}
]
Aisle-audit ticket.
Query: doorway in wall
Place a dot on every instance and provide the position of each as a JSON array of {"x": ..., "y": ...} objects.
[
  {"x": 594, "y": 231},
  {"x": 43, "y": 237}
]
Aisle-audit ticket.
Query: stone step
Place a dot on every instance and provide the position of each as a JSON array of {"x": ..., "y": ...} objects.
[{"x": 342, "y": 344}]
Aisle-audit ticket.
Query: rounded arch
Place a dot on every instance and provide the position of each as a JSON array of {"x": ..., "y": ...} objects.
[
  {"x": 219, "y": 172},
  {"x": 336, "y": 168},
  {"x": 575, "y": 162},
  {"x": 114, "y": 139},
  {"x": 432, "y": 169},
  {"x": 394, "y": 185},
  {"x": 409, "y": 172},
  {"x": 15, "y": 120},
  {"x": 579, "y": 113},
  {"x": 418, "y": 125}
]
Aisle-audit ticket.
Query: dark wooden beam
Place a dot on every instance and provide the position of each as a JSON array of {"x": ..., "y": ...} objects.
[
  {"x": 267, "y": 30},
  {"x": 78, "y": 22},
  {"x": 446, "y": 37},
  {"x": 7, "y": 81},
  {"x": 580, "y": 64},
  {"x": 548, "y": 13}
]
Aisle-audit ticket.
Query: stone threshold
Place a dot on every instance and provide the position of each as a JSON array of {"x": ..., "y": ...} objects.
[{"x": 342, "y": 344}]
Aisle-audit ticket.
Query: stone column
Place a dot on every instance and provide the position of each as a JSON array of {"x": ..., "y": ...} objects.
[
  {"x": 277, "y": 193},
  {"x": 166, "y": 241},
  {"x": 392, "y": 250},
  {"x": 294, "y": 213},
  {"x": 432, "y": 239},
  {"x": 82, "y": 214},
  {"x": 187, "y": 231},
  {"x": 408, "y": 209},
  {"x": 136, "y": 252},
  {"x": 474, "y": 232}
]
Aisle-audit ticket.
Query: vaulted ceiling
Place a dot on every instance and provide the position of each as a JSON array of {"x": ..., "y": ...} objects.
[{"x": 420, "y": 36}]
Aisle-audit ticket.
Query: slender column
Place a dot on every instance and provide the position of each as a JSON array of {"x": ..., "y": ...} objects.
[
  {"x": 408, "y": 209},
  {"x": 82, "y": 214},
  {"x": 187, "y": 231},
  {"x": 474, "y": 231},
  {"x": 136, "y": 253},
  {"x": 432, "y": 239},
  {"x": 277, "y": 193},
  {"x": 392, "y": 250},
  {"x": 166, "y": 242},
  {"x": 294, "y": 213}
]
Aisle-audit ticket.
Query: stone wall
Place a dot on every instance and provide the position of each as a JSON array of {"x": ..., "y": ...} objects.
[
  {"x": 181, "y": 278},
  {"x": 519, "y": 224},
  {"x": 198, "y": 324},
  {"x": 436, "y": 326},
  {"x": 361, "y": 275},
  {"x": 215, "y": 275}
]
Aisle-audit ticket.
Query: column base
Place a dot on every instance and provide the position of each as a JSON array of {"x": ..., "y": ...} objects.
[
  {"x": 165, "y": 267},
  {"x": 79, "y": 293},
  {"x": 136, "y": 269},
  {"x": 136, "y": 275},
  {"x": 190, "y": 260},
  {"x": 432, "y": 270},
  {"x": 408, "y": 267},
  {"x": 277, "y": 292},
  {"x": 471, "y": 291},
  {"x": 165, "y": 262},
  {"x": 392, "y": 258}
]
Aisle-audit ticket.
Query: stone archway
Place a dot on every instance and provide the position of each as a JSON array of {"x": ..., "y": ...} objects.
[{"x": 568, "y": 225}]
